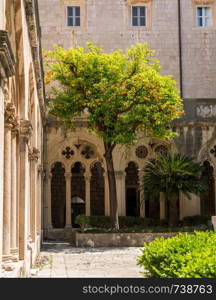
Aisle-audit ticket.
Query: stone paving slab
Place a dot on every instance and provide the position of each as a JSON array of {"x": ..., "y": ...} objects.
[{"x": 65, "y": 261}]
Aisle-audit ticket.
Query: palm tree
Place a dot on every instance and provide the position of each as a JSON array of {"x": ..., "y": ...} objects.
[{"x": 171, "y": 174}]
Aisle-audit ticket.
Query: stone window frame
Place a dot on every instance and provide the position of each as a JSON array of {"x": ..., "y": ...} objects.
[
  {"x": 74, "y": 17},
  {"x": 83, "y": 15},
  {"x": 205, "y": 3},
  {"x": 148, "y": 11},
  {"x": 139, "y": 16}
]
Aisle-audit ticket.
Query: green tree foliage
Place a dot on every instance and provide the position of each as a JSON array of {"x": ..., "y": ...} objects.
[
  {"x": 172, "y": 173},
  {"x": 120, "y": 93},
  {"x": 183, "y": 256}
]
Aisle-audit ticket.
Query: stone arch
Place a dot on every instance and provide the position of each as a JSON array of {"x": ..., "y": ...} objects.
[
  {"x": 132, "y": 189},
  {"x": 207, "y": 199},
  {"x": 78, "y": 190},
  {"x": 97, "y": 189},
  {"x": 58, "y": 195}
]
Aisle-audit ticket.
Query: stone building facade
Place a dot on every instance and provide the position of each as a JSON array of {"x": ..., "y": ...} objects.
[
  {"x": 48, "y": 174},
  {"x": 21, "y": 132},
  {"x": 183, "y": 34}
]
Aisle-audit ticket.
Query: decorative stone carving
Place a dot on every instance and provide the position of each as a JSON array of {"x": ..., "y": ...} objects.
[
  {"x": 34, "y": 154},
  {"x": 87, "y": 152},
  {"x": 7, "y": 60},
  {"x": 161, "y": 149},
  {"x": 25, "y": 130},
  {"x": 141, "y": 152},
  {"x": 10, "y": 115},
  {"x": 213, "y": 151},
  {"x": 68, "y": 152},
  {"x": 40, "y": 169},
  {"x": 206, "y": 111}
]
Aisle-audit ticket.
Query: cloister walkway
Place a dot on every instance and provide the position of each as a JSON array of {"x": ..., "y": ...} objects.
[{"x": 60, "y": 260}]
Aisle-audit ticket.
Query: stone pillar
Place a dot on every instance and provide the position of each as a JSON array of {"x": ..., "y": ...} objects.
[
  {"x": 33, "y": 158},
  {"x": 88, "y": 194},
  {"x": 9, "y": 123},
  {"x": 40, "y": 177},
  {"x": 14, "y": 196},
  {"x": 25, "y": 134},
  {"x": 7, "y": 193},
  {"x": 142, "y": 197},
  {"x": 68, "y": 200},
  {"x": 49, "y": 202},
  {"x": 162, "y": 207},
  {"x": 181, "y": 206},
  {"x": 1, "y": 169},
  {"x": 107, "y": 202}
]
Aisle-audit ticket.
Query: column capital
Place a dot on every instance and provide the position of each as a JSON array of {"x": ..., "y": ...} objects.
[
  {"x": 10, "y": 115},
  {"x": 33, "y": 154},
  {"x": 25, "y": 130},
  {"x": 68, "y": 175},
  {"x": 87, "y": 176}
]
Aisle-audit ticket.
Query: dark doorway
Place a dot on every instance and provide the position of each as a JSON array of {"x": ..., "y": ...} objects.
[
  {"x": 97, "y": 190},
  {"x": 132, "y": 190},
  {"x": 152, "y": 207},
  {"x": 58, "y": 196},
  {"x": 207, "y": 199},
  {"x": 78, "y": 191}
]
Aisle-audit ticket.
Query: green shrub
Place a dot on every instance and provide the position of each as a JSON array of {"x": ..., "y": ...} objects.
[
  {"x": 196, "y": 220},
  {"x": 124, "y": 222},
  {"x": 183, "y": 256},
  {"x": 93, "y": 221}
]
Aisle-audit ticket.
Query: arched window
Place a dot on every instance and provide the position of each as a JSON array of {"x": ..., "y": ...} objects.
[
  {"x": 78, "y": 191},
  {"x": 97, "y": 190},
  {"x": 207, "y": 199},
  {"x": 58, "y": 195},
  {"x": 132, "y": 190}
]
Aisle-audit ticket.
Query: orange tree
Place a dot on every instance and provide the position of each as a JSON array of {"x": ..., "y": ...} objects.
[{"x": 121, "y": 94}]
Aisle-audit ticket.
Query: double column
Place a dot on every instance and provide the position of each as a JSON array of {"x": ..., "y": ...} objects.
[
  {"x": 68, "y": 176},
  {"x": 33, "y": 158},
  {"x": 10, "y": 243}
]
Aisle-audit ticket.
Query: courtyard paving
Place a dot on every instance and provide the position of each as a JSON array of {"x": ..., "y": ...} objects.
[{"x": 64, "y": 261}]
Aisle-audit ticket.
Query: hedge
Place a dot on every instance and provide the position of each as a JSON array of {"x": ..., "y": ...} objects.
[{"x": 183, "y": 256}]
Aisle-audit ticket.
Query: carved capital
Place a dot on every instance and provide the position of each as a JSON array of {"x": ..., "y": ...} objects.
[
  {"x": 68, "y": 175},
  {"x": 7, "y": 60},
  {"x": 10, "y": 115},
  {"x": 25, "y": 130},
  {"x": 34, "y": 154},
  {"x": 40, "y": 169}
]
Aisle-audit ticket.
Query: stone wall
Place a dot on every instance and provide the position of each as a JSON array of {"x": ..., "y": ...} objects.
[
  {"x": 107, "y": 23},
  {"x": 21, "y": 116},
  {"x": 116, "y": 239}
]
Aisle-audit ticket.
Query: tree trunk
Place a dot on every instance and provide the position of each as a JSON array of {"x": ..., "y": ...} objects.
[
  {"x": 112, "y": 186},
  {"x": 173, "y": 210}
]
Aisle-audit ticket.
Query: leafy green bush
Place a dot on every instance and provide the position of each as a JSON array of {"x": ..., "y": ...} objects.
[
  {"x": 93, "y": 221},
  {"x": 124, "y": 222},
  {"x": 183, "y": 256},
  {"x": 196, "y": 220}
]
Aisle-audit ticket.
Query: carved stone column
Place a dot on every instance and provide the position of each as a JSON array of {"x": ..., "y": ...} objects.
[
  {"x": 141, "y": 196},
  {"x": 39, "y": 213},
  {"x": 9, "y": 119},
  {"x": 33, "y": 158},
  {"x": 107, "y": 202},
  {"x": 88, "y": 195},
  {"x": 68, "y": 200},
  {"x": 162, "y": 207},
  {"x": 49, "y": 202},
  {"x": 25, "y": 134},
  {"x": 14, "y": 196}
]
